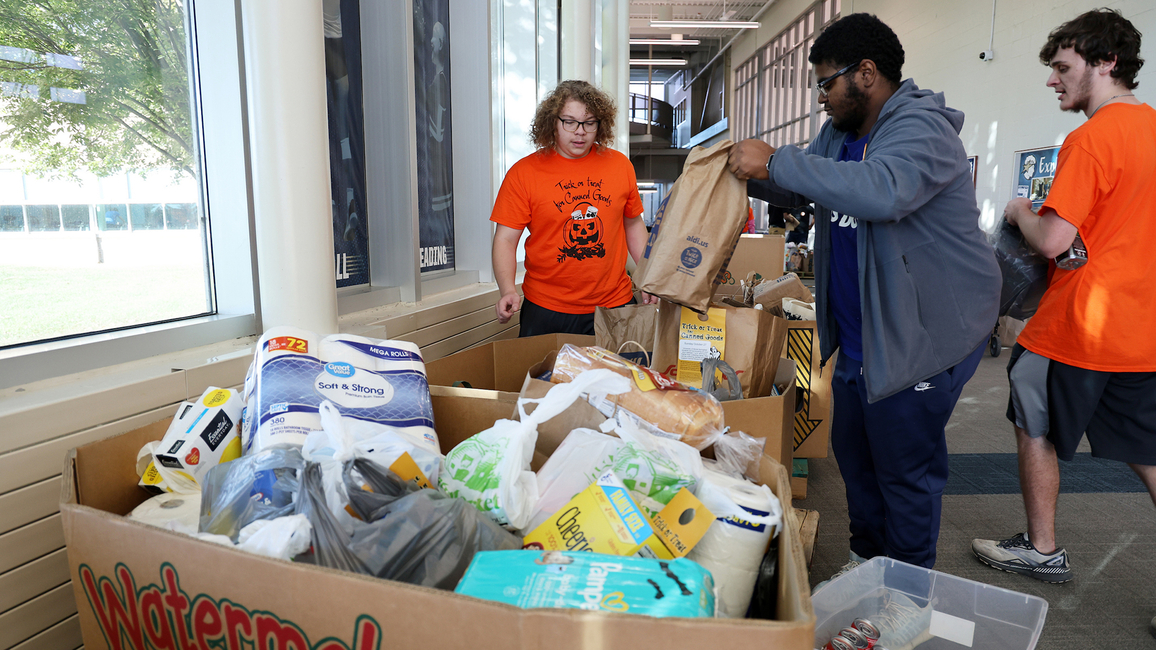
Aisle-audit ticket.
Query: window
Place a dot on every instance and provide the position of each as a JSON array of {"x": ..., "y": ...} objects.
[
  {"x": 11, "y": 218},
  {"x": 75, "y": 217},
  {"x": 146, "y": 216},
  {"x": 97, "y": 126},
  {"x": 43, "y": 218},
  {"x": 774, "y": 93}
]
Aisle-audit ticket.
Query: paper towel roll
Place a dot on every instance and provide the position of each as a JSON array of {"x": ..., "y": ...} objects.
[
  {"x": 179, "y": 512},
  {"x": 748, "y": 516}
]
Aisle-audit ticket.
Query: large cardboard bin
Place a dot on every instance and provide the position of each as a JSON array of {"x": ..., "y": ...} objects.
[{"x": 141, "y": 587}]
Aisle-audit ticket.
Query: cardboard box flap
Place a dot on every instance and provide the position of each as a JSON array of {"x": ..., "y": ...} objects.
[
  {"x": 103, "y": 467},
  {"x": 499, "y": 365}
]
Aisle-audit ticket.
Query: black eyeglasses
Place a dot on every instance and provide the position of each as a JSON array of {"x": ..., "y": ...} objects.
[
  {"x": 588, "y": 126},
  {"x": 822, "y": 84}
]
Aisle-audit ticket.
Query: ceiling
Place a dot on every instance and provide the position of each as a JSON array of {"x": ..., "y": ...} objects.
[{"x": 643, "y": 11}]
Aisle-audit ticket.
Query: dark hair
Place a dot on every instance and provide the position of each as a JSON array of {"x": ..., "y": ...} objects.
[
  {"x": 1098, "y": 36},
  {"x": 857, "y": 37},
  {"x": 600, "y": 105}
]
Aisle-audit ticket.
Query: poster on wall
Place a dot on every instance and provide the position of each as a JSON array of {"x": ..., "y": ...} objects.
[
  {"x": 974, "y": 162},
  {"x": 346, "y": 141},
  {"x": 435, "y": 183},
  {"x": 1035, "y": 169}
]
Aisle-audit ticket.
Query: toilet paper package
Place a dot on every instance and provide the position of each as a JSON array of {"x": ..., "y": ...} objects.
[
  {"x": 202, "y": 435},
  {"x": 748, "y": 516},
  {"x": 371, "y": 382}
]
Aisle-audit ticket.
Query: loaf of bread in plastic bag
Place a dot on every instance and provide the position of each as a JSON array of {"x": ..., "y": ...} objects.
[{"x": 662, "y": 406}]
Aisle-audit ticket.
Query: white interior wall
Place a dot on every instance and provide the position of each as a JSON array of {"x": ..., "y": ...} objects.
[{"x": 1006, "y": 103}]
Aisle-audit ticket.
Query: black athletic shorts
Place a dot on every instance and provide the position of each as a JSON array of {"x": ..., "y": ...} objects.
[
  {"x": 1116, "y": 409},
  {"x": 536, "y": 319}
]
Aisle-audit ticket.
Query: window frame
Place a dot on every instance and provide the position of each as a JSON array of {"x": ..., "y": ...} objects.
[{"x": 214, "y": 53}]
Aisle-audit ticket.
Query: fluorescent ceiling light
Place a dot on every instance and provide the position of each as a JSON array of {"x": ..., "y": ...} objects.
[
  {"x": 647, "y": 190},
  {"x": 701, "y": 24},
  {"x": 676, "y": 62},
  {"x": 663, "y": 41}
]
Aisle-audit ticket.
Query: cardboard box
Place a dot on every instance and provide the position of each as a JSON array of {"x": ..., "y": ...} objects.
[
  {"x": 127, "y": 576},
  {"x": 799, "y": 472},
  {"x": 500, "y": 365},
  {"x": 812, "y": 428},
  {"x": 762, "y": 254}
]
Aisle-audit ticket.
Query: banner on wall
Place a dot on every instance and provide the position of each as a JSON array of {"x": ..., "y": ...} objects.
[
  {"x": 1035, "y": 169},
  {"x": 343, "y": 93},
  {"x": 431, "y": 31}
]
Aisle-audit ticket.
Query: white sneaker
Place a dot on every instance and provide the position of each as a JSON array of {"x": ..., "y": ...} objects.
[{"x": 1017, "y": 554}]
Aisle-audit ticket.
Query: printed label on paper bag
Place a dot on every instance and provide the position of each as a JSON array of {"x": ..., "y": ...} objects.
[{"x": 697, "y": 340}]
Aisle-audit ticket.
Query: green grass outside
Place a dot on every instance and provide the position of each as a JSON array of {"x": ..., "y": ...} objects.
[{"x": 41, "y": 302}]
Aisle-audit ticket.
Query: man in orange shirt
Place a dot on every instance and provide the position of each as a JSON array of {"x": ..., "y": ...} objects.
[
  {"x": 1081, "y": 364},
  {"x": 580, "y": 201}
]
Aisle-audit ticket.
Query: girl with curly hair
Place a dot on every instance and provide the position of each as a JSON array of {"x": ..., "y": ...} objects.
[{"x": 579, "y": 200}]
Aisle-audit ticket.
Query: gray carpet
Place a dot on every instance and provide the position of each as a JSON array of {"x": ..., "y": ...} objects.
[{"x": 1106, "y": 521}]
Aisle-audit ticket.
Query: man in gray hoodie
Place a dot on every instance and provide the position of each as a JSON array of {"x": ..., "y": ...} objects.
[{"x": 907, "y": 287}]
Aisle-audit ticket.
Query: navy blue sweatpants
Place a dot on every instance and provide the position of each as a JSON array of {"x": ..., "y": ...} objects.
[{"x": 893, "y": 458}]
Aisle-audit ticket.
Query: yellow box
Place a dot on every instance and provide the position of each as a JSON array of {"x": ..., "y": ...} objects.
[{"x": 604, "y": 518}]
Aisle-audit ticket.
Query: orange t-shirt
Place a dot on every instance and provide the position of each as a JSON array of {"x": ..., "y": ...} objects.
[
  {"x": 575, "y": 210},
  {"x": 1100, "y": 316}
]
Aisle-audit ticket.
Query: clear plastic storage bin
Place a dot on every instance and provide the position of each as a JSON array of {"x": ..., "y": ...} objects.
[{"x": 920, "y": 608}]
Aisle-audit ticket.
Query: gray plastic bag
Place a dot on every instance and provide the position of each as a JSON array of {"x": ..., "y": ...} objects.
[{"x": 249, "y": 488}]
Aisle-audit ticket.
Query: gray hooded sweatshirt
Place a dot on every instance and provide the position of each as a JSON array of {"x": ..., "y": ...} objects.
[{"x": 928, "y": 279}]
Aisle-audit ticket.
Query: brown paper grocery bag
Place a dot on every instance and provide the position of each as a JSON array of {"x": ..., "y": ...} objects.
[
  {"x": 695, "y": 230},
  {"x": 627, "y": 331},
  {"x": 751, "y": 344}
]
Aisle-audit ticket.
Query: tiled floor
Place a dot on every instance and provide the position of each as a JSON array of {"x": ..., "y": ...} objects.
[{"x": 1106, "y": 521}]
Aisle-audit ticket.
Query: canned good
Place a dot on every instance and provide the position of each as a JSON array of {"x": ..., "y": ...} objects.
[
  {"x": 856, "y": 638},
  {"x": 838, "y": 643},
  {"x": 867, "y": 629}
]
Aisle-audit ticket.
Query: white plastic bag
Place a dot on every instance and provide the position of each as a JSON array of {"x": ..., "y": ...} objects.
[
  {"x": 651, "y": 467},
  {"x": 491, "y": 469},
  {"x": 341, "y": 439},
  {"x": 282, "y": 538}
]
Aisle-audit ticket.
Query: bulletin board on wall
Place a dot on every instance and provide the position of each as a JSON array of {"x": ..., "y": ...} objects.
[{"x": 1035, "y": 169}]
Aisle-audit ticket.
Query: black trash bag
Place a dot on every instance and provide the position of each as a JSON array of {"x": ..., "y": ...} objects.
[
  {"x": 249, "y": 488},
  {"x": 421, "y": 537},
  {"x": 766, "y": 597},
  {"x": 1025, "y": 272},
  {"x": 330, "y": 541}
]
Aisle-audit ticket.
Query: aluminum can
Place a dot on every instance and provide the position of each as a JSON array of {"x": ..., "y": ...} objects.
[
  {"x": 867, "y": 629},
  {"x": 838, "y": 643},
  {"x": 856, "y": 638}
]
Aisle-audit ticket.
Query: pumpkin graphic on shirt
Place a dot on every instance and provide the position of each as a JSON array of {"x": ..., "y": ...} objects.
[{"x": 582, "y": 234}]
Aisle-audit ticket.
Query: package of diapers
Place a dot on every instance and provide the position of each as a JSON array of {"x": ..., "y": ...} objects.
[
  {"x": 371, "y": 382},
  {"x": 591, "y": 581}
]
